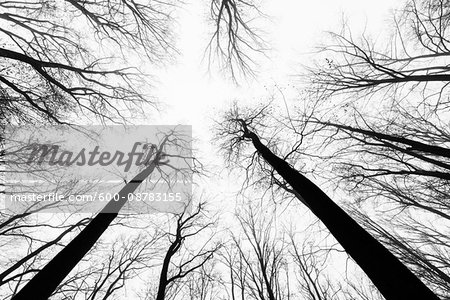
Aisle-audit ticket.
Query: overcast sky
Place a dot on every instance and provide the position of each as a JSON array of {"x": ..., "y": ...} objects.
[
  {"x": 293, "y": 30},
  {"x": 193, "y": 96}
]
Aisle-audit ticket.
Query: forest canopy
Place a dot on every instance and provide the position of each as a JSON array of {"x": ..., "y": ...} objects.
[{"x": 331, "y": 184}]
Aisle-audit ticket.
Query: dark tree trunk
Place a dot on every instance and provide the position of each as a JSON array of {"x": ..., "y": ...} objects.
[
  {"x": 173, "y": 248},
  {"x": 163, "y": 280},
  {"x": 413, "y": 145},
  {"x": 393, "y": 279},
  {"x": 45, "y": 282}
]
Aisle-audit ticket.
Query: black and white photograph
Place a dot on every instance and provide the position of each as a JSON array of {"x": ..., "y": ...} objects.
[{"x": 224, "y": 150}]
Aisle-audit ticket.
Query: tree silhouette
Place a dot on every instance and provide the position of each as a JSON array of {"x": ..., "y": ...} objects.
[
  {"x": 388, "y": 274},
  {"x": 384, "y": 137},
  {"x": 50, "y": 70},
  {"x": 235, "y": 41},
  {"x": 47, "y": 279},
  {"x": 188, "y": 225},
  {"x": 256, "y": 258}
]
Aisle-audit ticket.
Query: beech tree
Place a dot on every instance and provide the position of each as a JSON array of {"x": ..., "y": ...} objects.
[
  {"x": 236, "y": 42},
  {"x": 48, "y": 278},
  {"x": 310, "y": 260},
  {"x": 107, "y": 268},
  {"x": 204, "y": 283},
  {"x": 275, "y": 258},
  {"x": 27, "y": 237},
  {"x": 63, "y": 62},
  {"x": 49, "y": 69},
  {"x": 386, "y": 140},
  {"x": 256, "y": 258},
  {"x": 51, "y": 74},
  {"x": 387, "y": 273},
  {"x": 53, "y": 71},
  {"x": 414, "y": 58},
  {"x": 179, "y": 262}
]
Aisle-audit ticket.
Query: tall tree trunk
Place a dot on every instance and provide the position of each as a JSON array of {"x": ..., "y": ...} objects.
[
  {"x": 393, "y": 279},
  {"x": 163, "y": 280},
  {"x": 45, "y": 282},
  {"x": 173, "y": 248}
]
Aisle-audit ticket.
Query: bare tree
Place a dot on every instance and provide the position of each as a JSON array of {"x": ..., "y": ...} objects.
[
  {"x": 386, "y": 140},
  {"x": 310, "y": 262},
  {"x": 53, "y": 71},
  {"x": 413, "y": 59},
  {"x": 62, "y": 61},
  {"x": 21, "y": 264},
  {"x": 420, "y": 245},
  {"x": 256, "y": 259},
  {"x": 60, "y": 266},
  {"x": 312, "y": 282},
  {"x": 179, "y": 261},
  {"x": 28, "y": 238},
  {"x": 381, "y": 266},
  {"x": 205, "y": 282},
  {"x": 268, "y": 261},
  {"x": 107, "y": 268},
  {"x": 50, "y": 70},
  {"x": 236, "y": 40}
]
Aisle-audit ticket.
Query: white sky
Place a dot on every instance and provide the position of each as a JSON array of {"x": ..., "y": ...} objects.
[
  {"x": 195, "y": 97},
  {"x": 192, "y": 96}
]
